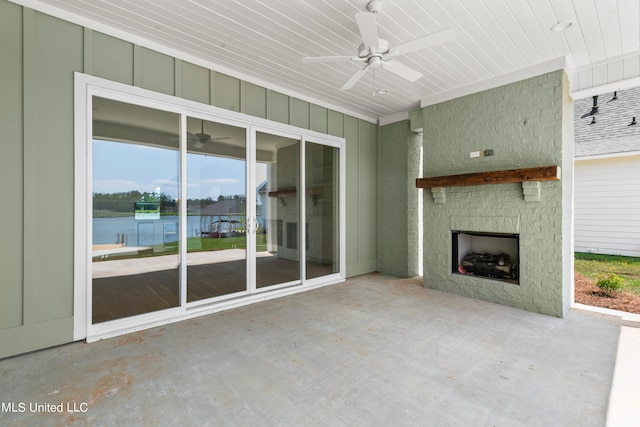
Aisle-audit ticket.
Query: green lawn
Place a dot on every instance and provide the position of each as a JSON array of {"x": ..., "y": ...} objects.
[
  {"x": 195, "y": 244},
  {"x": 596, "y": 266}
]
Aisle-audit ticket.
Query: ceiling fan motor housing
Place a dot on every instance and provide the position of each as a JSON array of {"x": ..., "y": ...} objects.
[{"x": 374, "y": 6}]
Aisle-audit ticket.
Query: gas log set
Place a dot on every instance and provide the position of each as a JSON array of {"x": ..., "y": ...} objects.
[{"x": 487, "y": 265}]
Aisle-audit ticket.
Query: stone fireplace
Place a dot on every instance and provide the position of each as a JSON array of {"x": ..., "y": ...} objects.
[{"x": 524, "y": 125}]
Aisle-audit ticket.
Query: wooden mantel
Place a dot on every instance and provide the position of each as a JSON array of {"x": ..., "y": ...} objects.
[{"x": 542, "y": 173}]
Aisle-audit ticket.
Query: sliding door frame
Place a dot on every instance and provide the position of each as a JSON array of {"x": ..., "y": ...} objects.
[{"x": 86, "y": 87}]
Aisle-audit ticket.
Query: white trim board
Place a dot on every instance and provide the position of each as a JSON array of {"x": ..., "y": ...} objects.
[{"x": 608, "y": 156}]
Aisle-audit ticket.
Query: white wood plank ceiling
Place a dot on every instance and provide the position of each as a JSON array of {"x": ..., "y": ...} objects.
[{"x": 264, "y": 40}]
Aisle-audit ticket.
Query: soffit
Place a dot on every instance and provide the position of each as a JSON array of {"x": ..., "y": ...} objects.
[{"x": 264, "y": 41}]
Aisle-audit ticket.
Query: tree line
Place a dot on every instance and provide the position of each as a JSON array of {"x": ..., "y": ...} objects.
[{"x": 124, "y": 201}]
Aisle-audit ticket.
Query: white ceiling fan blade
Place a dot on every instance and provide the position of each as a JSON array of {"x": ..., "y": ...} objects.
[
  {"x": 424, "y": 42},
  {"x": 313, "y": 59},
  {"x": 354, "y": 78},
  {"x": 402, "y": 70},
  {"x": 368, "y": 29}
]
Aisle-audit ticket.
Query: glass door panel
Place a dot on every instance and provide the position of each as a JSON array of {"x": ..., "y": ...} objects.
[
  {"x": 216, "y": 209},
  {"x": 322, "y": 210},
  {"x": 135, "y": 232},
  {"x": 277, "y": 210}
]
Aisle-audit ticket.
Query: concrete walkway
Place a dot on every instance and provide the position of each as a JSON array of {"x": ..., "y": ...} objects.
[
  {"x": 124, "y": 267},
  {"x": 373, "y": 351}
]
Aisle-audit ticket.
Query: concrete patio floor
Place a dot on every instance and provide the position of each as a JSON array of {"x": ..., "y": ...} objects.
[{"x": 373, "y": 351}]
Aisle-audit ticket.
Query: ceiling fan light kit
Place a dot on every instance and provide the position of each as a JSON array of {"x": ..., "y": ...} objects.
[{"x": 378, "y": 53}]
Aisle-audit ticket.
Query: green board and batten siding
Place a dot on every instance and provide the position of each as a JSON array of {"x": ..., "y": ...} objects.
[
  {"x": 11, "y": 166},
  {"x": 40, "y": 54}
]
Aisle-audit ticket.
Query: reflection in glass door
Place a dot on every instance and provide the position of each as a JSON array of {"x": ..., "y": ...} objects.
[
  {"x": 183, "y": 209},
  {"x": 277, "y": 210},
  {"x": 174, "y": 220},
  {"x": 216, "y": 210},
  {"x": 322, "y": 210},
  {"x": 135, "y": 188}
]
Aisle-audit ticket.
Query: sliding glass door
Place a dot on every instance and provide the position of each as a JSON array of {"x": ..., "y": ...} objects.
[
  {"x": 322, "y": 214},
  {"x": 216, "y": 209},
  {"x": 135, "y": 193},
  {"x": 188, "y": 208},
  {"x": 278, "y": 204}
]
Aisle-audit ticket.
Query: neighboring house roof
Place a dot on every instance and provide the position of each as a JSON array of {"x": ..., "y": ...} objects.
[
  {"x": 611, "y": 133},
  {"x": 619, "y": 145}
]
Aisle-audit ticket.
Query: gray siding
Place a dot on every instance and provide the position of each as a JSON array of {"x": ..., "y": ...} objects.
[{"x": 40, "y": 54}]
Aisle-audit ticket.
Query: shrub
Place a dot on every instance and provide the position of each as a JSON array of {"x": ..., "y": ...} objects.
[{"x": 610, "y": 283}]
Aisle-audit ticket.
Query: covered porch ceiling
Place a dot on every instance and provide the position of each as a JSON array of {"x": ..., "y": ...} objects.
[{"x": 264, "y": 41}]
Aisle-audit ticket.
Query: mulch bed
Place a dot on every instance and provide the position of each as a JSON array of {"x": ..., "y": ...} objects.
[{"x": 586, "y": 292}]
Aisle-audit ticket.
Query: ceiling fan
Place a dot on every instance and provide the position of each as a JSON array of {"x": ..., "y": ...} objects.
[
  {"x": 376, "y": 52},
  {"x": 200, "y": 139}
]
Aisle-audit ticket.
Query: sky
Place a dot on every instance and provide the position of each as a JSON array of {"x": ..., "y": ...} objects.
[{"x": 122, "y": 167}]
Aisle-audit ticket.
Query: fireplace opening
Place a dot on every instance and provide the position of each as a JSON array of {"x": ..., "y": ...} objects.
[{"x": 487, "y": 255}]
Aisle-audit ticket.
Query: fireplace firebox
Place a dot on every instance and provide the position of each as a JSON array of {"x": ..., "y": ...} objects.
[{"x": 493, "y": 256}]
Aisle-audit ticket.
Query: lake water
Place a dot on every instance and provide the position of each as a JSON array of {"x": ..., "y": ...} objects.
[
  {"x": 147, "y": 232},
  {"x": 144, "y": 232}
]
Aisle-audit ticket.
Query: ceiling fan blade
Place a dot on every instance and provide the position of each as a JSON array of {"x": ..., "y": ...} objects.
[
  {"x": 200, "y": 142},
  {"x": 190, "y": 137},
  {"x": 402, "y": 70},
  {"x": 312, "y": 59},
  {"x": 354, "y": 78},
  {"x": 424, "y": 42},
  {"x": 368, "y": 29}
]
